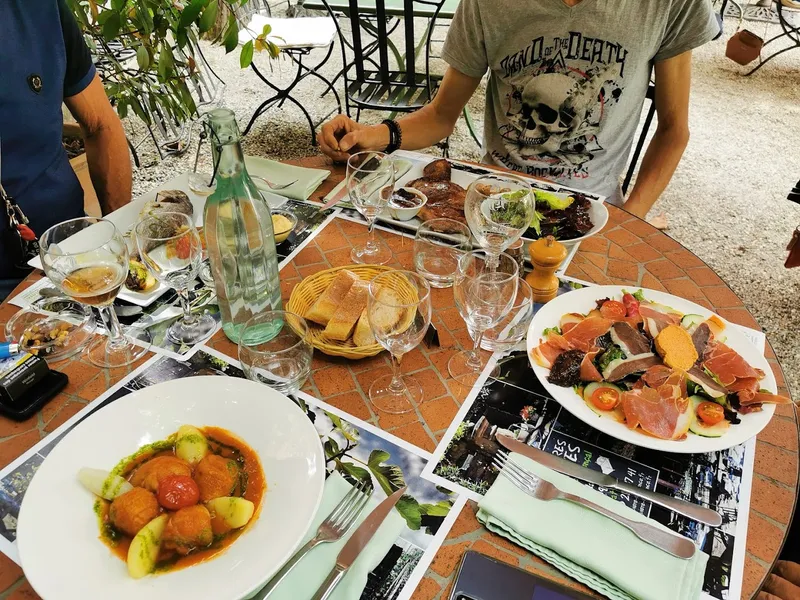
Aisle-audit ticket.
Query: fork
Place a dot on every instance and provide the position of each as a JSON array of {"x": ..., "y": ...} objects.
[
  {"x": 540, "y": 489},
  {"x": 330, "y": 530},
  {"x": 275, "y": 186}
]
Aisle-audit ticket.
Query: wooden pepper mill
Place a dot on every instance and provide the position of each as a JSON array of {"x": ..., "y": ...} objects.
[{"x": 546, "y": 256}]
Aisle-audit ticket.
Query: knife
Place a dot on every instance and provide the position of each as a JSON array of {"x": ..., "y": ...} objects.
[
  {"x": 562, "y": 465},
  {"x": 356, "y": 543}
]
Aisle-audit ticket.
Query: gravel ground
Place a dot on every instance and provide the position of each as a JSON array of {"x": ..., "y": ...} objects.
[{"x": 727, "y": 201}]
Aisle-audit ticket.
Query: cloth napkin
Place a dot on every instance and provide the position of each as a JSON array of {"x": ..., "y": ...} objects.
[
  {"x": 588, "y": 546},
  {"x": 278, "y": 173},
  {"x": 304, "y": 580}
]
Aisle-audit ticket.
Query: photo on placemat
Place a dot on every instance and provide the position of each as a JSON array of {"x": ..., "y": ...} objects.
[
  {"x": 309, "y": 219},
  {"x": 513, "y": 403}
]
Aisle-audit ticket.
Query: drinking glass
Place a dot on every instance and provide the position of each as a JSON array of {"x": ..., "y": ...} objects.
[
  {"x": 499, "y": 209},
  {"x": 512, "y": 328},
  {"x": 87, "y": 258},
  {"x": 399, "y": 312},
  {"x": 283, "y": 362},
  {"x": 370, "y": 184},
  {"x": 484, "y": 293},
  {"x": 438, "y": 246},
  {"x": 170, "y": 247}
]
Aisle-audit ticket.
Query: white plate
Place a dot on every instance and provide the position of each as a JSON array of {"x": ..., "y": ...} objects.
[
  {"x": 598, "y": 210},
  {"x": 584, "y": 300},
  {"x": 57, "y": 531}
]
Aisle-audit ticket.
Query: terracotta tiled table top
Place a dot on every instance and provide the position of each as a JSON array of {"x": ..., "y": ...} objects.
[{"x": 628, "y": 251}]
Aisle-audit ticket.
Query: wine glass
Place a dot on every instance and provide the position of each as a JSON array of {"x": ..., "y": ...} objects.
[
  {"x": 283, "y": 362},
  {"x": 438, "y": 246},
  {"x": 170, "y": 247},
  {"x": 499, "y": 209},
  {"x": 484, "y": 293},
  {"x": 88, "y": 259},
  {"x": 399, "y": 312},
  {"x": 370, "y": 184}
]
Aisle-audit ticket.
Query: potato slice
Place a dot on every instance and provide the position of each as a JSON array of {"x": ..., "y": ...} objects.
[
  {"x": 102, "y": 483},
  {"x": 144, "y": 548},
  {"x": 191, "y": 445},
  {"x": 234, "y": 512}
]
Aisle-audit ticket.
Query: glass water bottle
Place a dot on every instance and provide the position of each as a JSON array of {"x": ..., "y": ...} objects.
[{"x": 239, "y": 237}]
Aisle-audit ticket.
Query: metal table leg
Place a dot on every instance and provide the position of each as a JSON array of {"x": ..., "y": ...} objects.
[{"x": 790, "y": 31}]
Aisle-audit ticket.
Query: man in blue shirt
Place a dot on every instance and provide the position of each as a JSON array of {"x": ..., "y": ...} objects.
[{"x": 45, "y": 62}]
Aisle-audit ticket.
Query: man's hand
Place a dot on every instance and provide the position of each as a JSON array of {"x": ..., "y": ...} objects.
[
  {"x": 783, "y": 583},
  {"x": 341, "y": 137},
  {"x": 106, "y": 147}
]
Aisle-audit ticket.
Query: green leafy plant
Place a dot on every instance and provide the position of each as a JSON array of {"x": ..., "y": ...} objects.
[
  {"x": 146, "y": 49},
  {"x": 389, "y": 477}
]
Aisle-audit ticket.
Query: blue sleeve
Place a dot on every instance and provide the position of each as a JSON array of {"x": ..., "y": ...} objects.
[{"x": 80, "y": 68}]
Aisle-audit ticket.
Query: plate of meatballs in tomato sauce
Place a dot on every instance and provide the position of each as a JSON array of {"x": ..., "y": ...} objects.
[{"x": 198, "y": 487}]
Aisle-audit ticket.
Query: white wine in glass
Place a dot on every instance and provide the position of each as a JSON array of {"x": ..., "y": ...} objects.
[{"x": 88, "y": 259}]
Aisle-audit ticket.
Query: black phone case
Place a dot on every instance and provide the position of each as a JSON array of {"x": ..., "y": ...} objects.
[
  {"x": 35, "y": 398},
  {"x": 483, "y": 578}
]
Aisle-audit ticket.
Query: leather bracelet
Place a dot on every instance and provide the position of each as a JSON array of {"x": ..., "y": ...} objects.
[{"x": 395, "y": 135}]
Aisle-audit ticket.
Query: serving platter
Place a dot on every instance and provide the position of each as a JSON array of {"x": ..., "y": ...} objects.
[
  {"x": 584, "y": 300},
  {"x": 58, "y": 532}
]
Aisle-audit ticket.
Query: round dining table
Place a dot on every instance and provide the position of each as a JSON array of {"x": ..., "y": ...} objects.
[{"x": 628, "y": 252}]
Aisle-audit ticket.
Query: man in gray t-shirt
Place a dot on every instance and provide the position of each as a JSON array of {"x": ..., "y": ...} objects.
[{"x": 567, "y": 81}]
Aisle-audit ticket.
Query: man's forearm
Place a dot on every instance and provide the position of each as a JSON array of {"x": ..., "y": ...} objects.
[
  {"x": 421, "y": 129},
  {"x": 109, "y": 165},
  {"x": 659, "y": 164}
]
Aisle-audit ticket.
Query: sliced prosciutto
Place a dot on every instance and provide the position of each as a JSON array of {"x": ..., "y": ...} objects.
[
  {"x": 584, "y": 335},
  {"x": 728, "y": 365},
  {"x": 710, "y": 387},
  {"x": 631, "y": 340},
  {"x": 622, "y": 367},
  {"x": 760, "y": 398},
  {"x": 588, "y": 371},
  {"x": 656, "y": 318},
  {"x": 656, "y": 376},
  {"x": 667, "y": 418}
]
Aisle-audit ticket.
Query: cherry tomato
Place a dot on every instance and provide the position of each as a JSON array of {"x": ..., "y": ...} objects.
[
  {"x": 605, "y": 398},
  {"x": 631, "y": 305},
  {"x": 612, "y": 309},
  {"x": 178, "y": 491},
  {"x": 710, "y": 413}
]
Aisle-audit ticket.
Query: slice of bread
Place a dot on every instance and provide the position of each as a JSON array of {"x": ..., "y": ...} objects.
[
  {"x": 675, "y": 346},
  {"x": 344, "y": 320},
  {"x": 324, "y": 308},
  {"x": 384, "y": 316},
  {"x": 363, "y": 334}
]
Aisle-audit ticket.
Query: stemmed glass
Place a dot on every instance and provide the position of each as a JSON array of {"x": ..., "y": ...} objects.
[
  {"x": 484, "y": 293},
  {"x": 399, "y": 312},
  {"x": 283, "y": 362},
  {"x": 170, "y": 247},
  {"x": 499, "y": 209},
  {"x": 88, "y": 259},
  {"x": 370, "y": 184}
]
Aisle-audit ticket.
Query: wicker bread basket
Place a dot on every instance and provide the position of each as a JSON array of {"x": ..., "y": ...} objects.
[{"x": 306, "y": 293}]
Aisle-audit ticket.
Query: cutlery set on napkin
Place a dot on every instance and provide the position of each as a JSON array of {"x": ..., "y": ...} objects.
[
  {"x": 343, "y": 544},
  {"x": 616, "y": 551}
]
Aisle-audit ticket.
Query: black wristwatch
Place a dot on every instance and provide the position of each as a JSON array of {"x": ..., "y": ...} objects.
[{"x": 395, "y": 135}]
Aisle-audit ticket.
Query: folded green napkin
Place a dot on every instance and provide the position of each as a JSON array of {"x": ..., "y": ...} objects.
[
  {"x": 304, "y": 580},
  {"x": 587, "y": 546},
  {"x": 279, "y": 174}
]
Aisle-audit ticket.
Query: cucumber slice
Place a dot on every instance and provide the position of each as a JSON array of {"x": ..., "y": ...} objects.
[
  {"x": 699, "y": 428},
  {"x": 690, "y": 322},
  {"x": 616, "y": 413}
]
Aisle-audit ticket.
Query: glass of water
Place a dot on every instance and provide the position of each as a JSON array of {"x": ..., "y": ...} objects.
[
  {"x": 283, "y": 362},
  {"x": 513, "y": 327},
  {"x": 370, "y": 184},
  {"x": 438, "y": 246}
]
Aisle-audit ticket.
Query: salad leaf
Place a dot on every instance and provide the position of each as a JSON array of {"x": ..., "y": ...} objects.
[
  {"x": 553, "y": 200},
  {"x": 613, "y": 353},
  {"x": 536, "y": 222},
  {"x": 639, "y": 295},
  {"x": 509, "y": 209},
  {"x": 549, "y": 330}
]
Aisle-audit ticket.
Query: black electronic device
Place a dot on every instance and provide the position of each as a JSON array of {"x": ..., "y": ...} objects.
[{"x": 34, "y": 398}]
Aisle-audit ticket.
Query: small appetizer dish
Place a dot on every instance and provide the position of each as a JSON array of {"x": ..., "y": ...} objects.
[
  {"x": 660, "y": 371},
  {"x": 179, "y": 501},
  {"x": 283, "y": 223},
  {"x": 51, "y": 328},
  {"x": 406, "y": 202}
]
